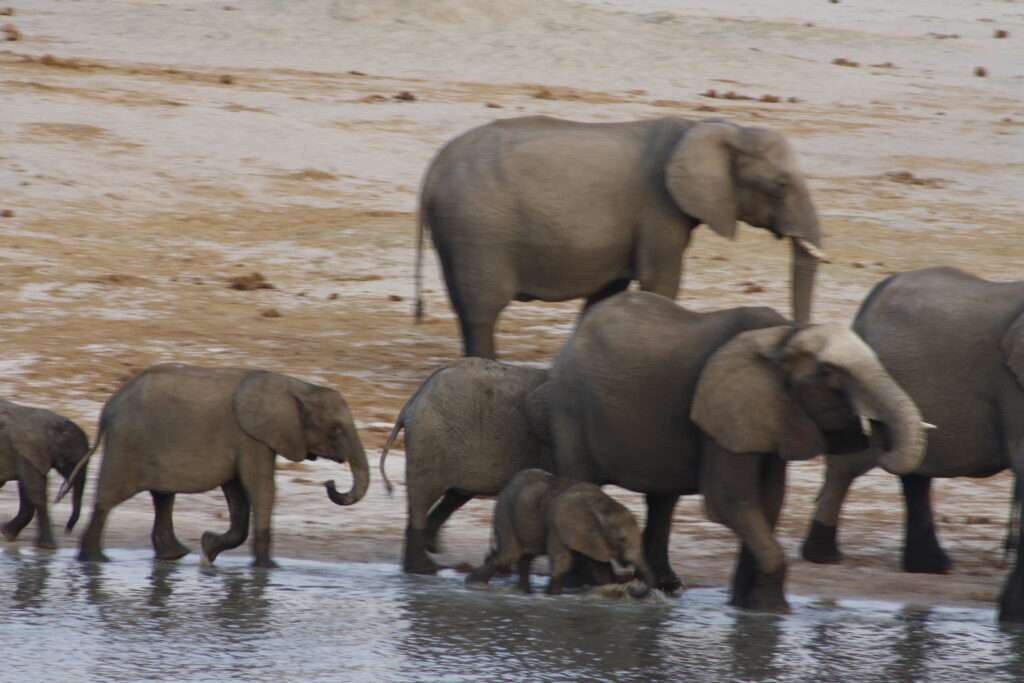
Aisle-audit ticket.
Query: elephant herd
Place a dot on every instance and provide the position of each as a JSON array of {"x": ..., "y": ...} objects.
[{"x": 646, "y": 395}]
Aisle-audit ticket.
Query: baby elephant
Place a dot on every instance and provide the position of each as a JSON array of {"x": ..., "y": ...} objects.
[
  {"x": 538, "y": 514},
  {"x": 184, "y": 429},
  {"x": 469, "y": 428},
  {"x": 33, "y": 441}
]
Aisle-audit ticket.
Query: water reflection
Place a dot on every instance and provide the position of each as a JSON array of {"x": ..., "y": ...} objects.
[{"x": 136, "y": 619}]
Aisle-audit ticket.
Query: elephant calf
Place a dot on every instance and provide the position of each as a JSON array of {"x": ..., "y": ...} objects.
[
  {"x": 469, "y": 428},
  {"x": 539, "y": 514},
  {"x": 184, "y": 429},
  {"x": 32, "y": 442}
]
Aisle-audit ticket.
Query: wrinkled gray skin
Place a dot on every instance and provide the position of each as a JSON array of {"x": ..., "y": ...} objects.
[
  {"x": 955, "y": 342},
  {"x": 184, "y": 429},
  {"x": 469, "y": 428},
  {"x": 667, "y": 402},
  {"x": 541, "y": 208},
  {"x": 32, "y": 442},
  {"x": 539, "y": 514}
]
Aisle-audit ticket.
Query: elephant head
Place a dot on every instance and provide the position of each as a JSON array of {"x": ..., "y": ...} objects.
[
  {"x": 720, "y": 173},
  {"x": 605, "y": 531},
  {"x": 303, "y": 421},
  {"x": 804, "y": 391}
]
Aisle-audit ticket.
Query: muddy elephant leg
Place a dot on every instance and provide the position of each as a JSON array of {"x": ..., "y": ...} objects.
[
  {"x": 560, "y": 558},
  {"x": 419, "y": 500},
  {"x": 33, "y": 485},
  {"x": 921, "y": 550},
  {"x": 89, "y": 547},
  {"x": 501, "y": 557},
  {"x": 440, "y": 513},
  {"x": 1011, "y": 600},
  {"x": 656, "y": 536},
  {"x": 238, "y": 510},
  {"x": 256, "y": 474},
  {"x": 26, "y": 511},
  {"x": 165, "y": 543},
  {"x": 821, "y": 545}
]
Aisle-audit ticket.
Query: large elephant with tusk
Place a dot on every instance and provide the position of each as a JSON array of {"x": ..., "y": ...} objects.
[
  {"x": 668, "y": 402},
  {"x": 542, "y": 208},
  {"x": 178, "y": 428}
]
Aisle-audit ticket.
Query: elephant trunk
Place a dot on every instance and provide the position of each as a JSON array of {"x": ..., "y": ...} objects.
[
  {"x": 805, "y": 268},
  {"x": 360, "y": 477},
  {"x": 646, "y": 576},
  {"x": 887, "y": 401}
]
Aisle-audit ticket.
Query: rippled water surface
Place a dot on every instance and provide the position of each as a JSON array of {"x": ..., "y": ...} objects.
[{"x": 135, "y": 619}]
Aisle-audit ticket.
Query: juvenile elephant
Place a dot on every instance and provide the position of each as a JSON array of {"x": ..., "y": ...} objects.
[
  {"x": 469, "y": 428},
  {"x": 184, "y": 429},
  {"x": 539, "y": 514},
  {"x": 667, "y": 402},
  {"x": 541, "y": 208},
  {"x": 32, "y": 442},
  {"x": 955, "y": 342}
]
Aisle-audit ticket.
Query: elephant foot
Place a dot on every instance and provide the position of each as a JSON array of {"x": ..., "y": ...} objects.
[
  {"x": 171, "y": 551},
  {"x": 46, "y": 544},
  {"x": 926, "y": 559},
  {"x": 86, "y": 555},
  {"x": 479, "y": 576},
  {"x": 820, "y": 546},
  {"x": 1011, "y": 601},
  {"x": 414, "y": 555},
  {"x": 764, "y": 594},
  {"x": 265, "y": 563},
  {"x": 668, "y": 581}
]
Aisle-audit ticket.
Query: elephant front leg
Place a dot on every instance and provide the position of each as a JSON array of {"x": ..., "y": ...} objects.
[
  {"x": 165, "y": 543},
  {"x": 921, "y": 550},
  {"x": 656, "y": 537},
  {"x": 26, "y": 511},
  {"x": 257, "y": 476},
  {"x": 757, "y": 588},
  {"x": 821, "y": 545},
  {"x": 238, "y": 510},
  {"x": 560, "y": 558}
]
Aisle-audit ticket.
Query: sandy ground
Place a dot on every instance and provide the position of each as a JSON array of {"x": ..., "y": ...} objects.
[{"x": 150, "y": 152}]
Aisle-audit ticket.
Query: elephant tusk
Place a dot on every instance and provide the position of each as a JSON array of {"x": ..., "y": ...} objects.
[
  {"x": 865, "y": 425},
  {"x": 811, "y": 249},
  {"x": 928, "y": 425}
]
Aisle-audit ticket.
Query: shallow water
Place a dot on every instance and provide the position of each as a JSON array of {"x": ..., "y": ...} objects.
[{"x": 134, "y": 619}]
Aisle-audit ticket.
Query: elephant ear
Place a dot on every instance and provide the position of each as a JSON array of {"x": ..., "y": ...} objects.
[
  {"x": 591, "y": 537},
  {"x": 27, "y": 442},
  {"x": 699, "y": 175},
  {"x": 267, "y": 410},
  {"x": 741, "y": 400},
  {"x": 1013, "y": 348}
]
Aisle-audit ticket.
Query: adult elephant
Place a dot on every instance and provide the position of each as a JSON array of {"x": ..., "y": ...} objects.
[
  {"x": 955, "y": 342},
  {"x": 667, "y": 402},
  {"x": 541, "y": 208},
  {"x": 179, "y": 428}
]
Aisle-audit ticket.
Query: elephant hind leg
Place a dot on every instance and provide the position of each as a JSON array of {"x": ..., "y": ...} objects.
[
  {"x": 1011, "y": 600},
  {"x": 26, "y": 511},
  {"x": 921, "y": 550},
  {"x": 165, "y": 543},
  {"x": 239, "y": 511},
  {"x": 90, "y": 546},
  {"x": 33, "y": 486},
  {"x": 656, "y": 536},
  {"x": 439, "y": 514}
]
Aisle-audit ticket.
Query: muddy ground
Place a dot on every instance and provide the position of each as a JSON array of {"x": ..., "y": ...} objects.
[{"x": 152, "y": 153}]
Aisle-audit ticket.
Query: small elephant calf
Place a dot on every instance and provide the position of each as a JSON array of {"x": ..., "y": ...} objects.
[
  {"x": 32, "y": 442},
  {"x": 539, "y": 514},
  {"x": 178, "y": 428},
  {"x": 469, "y": 428}
]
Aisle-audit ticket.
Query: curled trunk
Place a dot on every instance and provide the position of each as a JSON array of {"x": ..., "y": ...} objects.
[
  {"x": 360, "y": 478},
  {"x": 887, "y": 401}
]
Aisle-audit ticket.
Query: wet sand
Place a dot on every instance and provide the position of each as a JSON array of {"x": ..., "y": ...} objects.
[{"x": 150, "y": 153}]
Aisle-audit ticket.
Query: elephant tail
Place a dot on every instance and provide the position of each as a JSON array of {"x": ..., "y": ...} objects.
[
  {"x": 69, "y": 482},
  {"x": 399, "y": 425}
]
